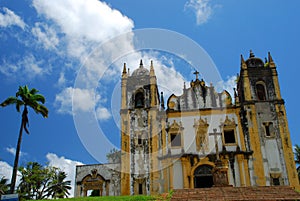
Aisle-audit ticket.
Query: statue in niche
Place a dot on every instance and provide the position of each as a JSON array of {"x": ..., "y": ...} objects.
[{"x": 201, "y": 127}]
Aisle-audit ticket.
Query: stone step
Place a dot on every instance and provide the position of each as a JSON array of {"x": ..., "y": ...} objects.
[{"x": 263, "y": 193}]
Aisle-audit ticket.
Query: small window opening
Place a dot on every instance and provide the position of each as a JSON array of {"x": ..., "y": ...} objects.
[
  {"x": 139, "y": 140},
  {"x": 261, "y": 93},
  {"x": 175, "y": 139},
  {"x": 269, "y": 129},
  {"x": 229, "y": 136}
]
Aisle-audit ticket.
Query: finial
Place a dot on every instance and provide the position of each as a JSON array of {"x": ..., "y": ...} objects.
[
  {"x": 141, "y": 63},
  {"x": 152, "y": 69},
  {"x": 270, "y": 57},
  {"x": 196, "y": 73},
  {"x": 243, "y": 63},
  {"x": 242, "y": 59},
  {"x": 162, "y": 100},
  {"x": 251, "y": 54},
  {"x": 124, "y": 69}
]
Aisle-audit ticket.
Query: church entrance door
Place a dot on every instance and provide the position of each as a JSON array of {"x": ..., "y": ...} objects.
[{"x": 203, "y": 177}]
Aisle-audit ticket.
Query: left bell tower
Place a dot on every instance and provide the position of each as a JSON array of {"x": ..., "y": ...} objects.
[{"x": 140, "y": 105}]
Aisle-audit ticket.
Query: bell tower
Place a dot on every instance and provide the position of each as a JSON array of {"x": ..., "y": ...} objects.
[
  {"x": 140, "y": 105},
  {"x": 264, "y": 123}
]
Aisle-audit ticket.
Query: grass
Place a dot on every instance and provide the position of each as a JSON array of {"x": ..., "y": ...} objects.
[
  {"x": 163, "y": 197},
  {"x": 110, "y": 198}
]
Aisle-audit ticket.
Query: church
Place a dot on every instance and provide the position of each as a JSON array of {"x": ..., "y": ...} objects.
[{"x": 200, "y": 139}]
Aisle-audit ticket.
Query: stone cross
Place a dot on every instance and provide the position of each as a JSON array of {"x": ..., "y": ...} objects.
[
  {"x": 196, "y": 73},
  {"x": 215, "y": 134}
]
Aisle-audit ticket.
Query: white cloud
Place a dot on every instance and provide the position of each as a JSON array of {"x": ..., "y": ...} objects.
[
  {"x": 6, "y": 172},
  {"x": 201, "y": 8},
  {"x": 85, "y": 100},
  {"x": 84, "y": 25},
  {"x": 28, "y": 66},
  {"x": 227, "y": 85},
  {"x": 45, "y": 35},
  {"x": 102, "y": 113},
  {"x": 12, "y": 151},
  {"x": 9, "y": 18},
  {"x": 66, "y": 165},
  {"x": 82, "y": 99}
]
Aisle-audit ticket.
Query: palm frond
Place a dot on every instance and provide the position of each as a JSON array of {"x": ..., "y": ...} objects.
[
  {"x": 33, "y": 91},
  {"x": 9, "y": 101},
  {"x": 38, "y": 98}
]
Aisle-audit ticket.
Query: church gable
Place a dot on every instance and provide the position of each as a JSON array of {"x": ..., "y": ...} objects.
[{"x": 199, "y": 96}]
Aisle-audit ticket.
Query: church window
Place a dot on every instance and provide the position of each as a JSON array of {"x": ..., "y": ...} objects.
[
  {"x": 139, "y": 100},
  {"x": 269, "y": 129},
  {"x": 139, "y": 140},
  {"x": 261, "y": 92},
  {"x": 229, "y": 136},
  {"x": 229, "y": 129},
  {"x": 175, "y": 139}
]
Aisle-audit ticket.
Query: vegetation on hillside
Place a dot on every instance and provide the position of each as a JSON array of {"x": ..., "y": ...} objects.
[{"x": 38, "y": 182}]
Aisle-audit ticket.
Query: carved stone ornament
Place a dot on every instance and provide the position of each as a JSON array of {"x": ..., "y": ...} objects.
[{"x": 201, "y": 127}]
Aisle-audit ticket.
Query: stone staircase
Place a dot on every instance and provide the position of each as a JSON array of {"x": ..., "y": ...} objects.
[{"x": 264, "y": 193}]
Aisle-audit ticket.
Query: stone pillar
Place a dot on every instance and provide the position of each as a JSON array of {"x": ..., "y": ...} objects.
[
  {"x": 240, "y": 159},
  {"x": 184, "y": 162}
]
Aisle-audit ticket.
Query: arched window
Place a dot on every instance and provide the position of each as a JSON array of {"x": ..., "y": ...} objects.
[
  {"x": 139, "y": 100},
  {"x": 260, "y": 92}
]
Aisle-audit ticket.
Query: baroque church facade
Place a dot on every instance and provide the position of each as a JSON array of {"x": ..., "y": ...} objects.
[{"x": 200, "y": 139}]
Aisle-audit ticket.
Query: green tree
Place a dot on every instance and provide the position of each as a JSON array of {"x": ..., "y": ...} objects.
[
  {"x": 58, "y": 187},
  {"x": 297, "y": 158},
  {"x": 34, "y": 180},
  {"x": 27, "y": 98},
  {"x": 3, "y": 186}
]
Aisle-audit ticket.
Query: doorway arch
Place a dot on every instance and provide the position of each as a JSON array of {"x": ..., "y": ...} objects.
[{"x": 203, "y": 177}]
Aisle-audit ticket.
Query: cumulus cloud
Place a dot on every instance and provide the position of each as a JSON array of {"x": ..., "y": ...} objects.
[
  {"x": 9, "y": 18},
  {"x": 201, "y": 8},
  {"x": 83, "y": 100},
  {"x": 6, "y": 172},
  {"x": 102, "y": 113},
  {"x": 29, "y": 66},
  {"x": 228, "y": 84},
  {"x": 46, "y": 36},
  {"x": 66, "y": 165},
  {"x": 12, "y": 151},
  {"x": 84, "y": 26}
]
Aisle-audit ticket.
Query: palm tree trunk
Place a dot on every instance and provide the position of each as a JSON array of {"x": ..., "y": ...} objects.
[{"x": 15, "y": 169}]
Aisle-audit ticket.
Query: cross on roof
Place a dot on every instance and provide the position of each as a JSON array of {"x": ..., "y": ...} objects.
[{"x": 196, "y": 73}]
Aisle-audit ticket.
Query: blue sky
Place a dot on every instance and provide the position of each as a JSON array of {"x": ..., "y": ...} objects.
[{"x": 47, "y": 44}]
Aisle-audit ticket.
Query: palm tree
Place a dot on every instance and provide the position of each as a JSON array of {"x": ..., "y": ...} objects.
[
  {"x": 27, "y": 98},
  {"x": 297, "y": 158},
  {"x": 3, "y": 186},
  {"x": 59, "y": 188}
]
